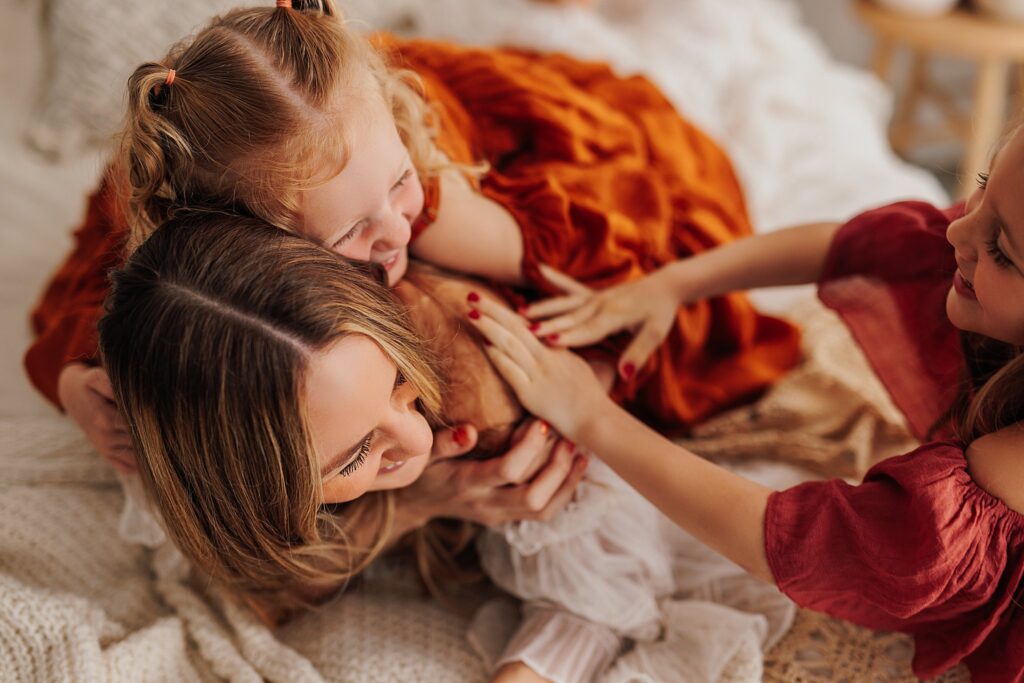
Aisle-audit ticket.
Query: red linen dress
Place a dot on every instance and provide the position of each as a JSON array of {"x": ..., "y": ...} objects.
[
  {"x": 918, "y": 547},
  {"x": 606, "y": 181}
]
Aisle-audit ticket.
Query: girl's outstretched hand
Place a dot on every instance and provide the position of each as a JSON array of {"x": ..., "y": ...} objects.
[
  {"x": 554, "y": 384},
  {"x": 584, "y": 316}
]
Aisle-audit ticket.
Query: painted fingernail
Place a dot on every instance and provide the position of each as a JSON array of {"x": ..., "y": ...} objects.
[
  {"x": 472, "y": 297},
  {"x": 551, "y": 338},
  {"x": 460, "y": 436},
  {"x": 474, "y": 314},
  {"x": 628, "y": 370},
  {"x": 534, "y": 327},
  {"x": 522, "y": 310},
  {"x": 572, "y": 447}
]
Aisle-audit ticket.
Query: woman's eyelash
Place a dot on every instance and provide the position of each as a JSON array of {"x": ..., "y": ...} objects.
[
  {"x": 364, "y": 450},
  {"x": 1001, "y": 259},
  {"x": 982, "y": 180}
]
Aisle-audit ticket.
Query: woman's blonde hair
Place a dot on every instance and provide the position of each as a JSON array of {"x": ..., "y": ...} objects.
[
  {"x": 207, "y": 338},
  {"x": 252, "y": 116}
]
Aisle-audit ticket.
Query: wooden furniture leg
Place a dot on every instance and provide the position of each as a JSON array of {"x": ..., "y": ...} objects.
[
  {"x": 901, "y": 130},
  {"x": 989, "y": 108}
]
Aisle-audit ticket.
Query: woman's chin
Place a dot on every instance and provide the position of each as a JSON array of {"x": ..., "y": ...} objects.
[{"x": 393, "y": 475}]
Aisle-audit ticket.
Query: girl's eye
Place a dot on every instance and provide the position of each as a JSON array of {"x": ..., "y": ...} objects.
[
  {"x": 399, "y": 379},
  {"x": 1000, "y": 259},
  {"x": 364, "y": 450},
  {"x": 401, "y": 181},
  {"x": 982, "y": 180},
  {"x": 348, "y": 235}
]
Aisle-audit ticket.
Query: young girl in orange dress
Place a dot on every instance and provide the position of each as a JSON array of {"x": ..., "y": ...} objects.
[
  {"x": 483, "y": 161},
  {"x": 931, "y": 542}
]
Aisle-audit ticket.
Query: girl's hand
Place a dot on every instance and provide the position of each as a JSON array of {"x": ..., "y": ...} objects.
[
  {"x": 534, "y": 480},
  {"x": 517, "y": 672},
  {"x": 88, "y": 398},
  {"x": 583, "y": 316},
  {"x": 554, "y": 384}
]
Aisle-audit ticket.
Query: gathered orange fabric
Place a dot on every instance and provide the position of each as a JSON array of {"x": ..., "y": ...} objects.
[{"x": 607, "y": 183}]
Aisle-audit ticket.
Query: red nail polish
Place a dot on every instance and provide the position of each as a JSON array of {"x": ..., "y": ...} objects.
[
  {"x": 460, "y": 436},
  {"x": 474, "y": 314},
  {"x": 522, "y": 310},
  {"x": 551, "y": 338},
  {"x": 534, "y": 327},
  {"x": 628, "y": 370},
  {"x": 473, "y": 297}
]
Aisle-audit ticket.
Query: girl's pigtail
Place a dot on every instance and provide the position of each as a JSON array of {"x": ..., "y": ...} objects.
[
  {"x": 151, "y": 146},
  {"x": 325, "y": 7}
]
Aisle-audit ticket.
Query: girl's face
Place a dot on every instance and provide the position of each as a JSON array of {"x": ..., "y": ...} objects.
[
  {"x": 988, "y": 289},
  {"x": 368, "y": 433},
  {"x": 366, "y": 211}
]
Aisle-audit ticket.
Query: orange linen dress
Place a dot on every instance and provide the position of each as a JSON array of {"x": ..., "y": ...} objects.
[{"x": 607, "y": 183}]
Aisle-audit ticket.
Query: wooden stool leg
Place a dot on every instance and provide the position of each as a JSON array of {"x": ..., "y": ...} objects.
[
  {"x": 901, "y": 131},
  {"x": 989, "y": 110},
  {"x": 881, "y": 60}
]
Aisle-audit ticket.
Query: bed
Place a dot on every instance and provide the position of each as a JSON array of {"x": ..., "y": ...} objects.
[{"x": 78, "y": 604}]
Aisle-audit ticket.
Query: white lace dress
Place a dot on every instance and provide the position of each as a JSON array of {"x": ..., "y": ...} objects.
[{"x": 613, "y": 591}]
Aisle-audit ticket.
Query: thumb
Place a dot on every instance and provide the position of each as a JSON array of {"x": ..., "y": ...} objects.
[
  {"x": 644, "y": 344},
  {"x": 562, "y": 281},
  {"x": 454, "y": 441}
]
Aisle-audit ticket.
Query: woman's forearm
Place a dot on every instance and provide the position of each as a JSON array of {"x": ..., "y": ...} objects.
[
  {"x": 721, "y": 509},
  {"x": 785, "y": 257}
]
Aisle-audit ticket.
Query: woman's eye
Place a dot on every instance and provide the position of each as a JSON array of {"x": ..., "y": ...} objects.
[
  {"x": 356, "y": 463},
  {"x": 982, "y": 180}
]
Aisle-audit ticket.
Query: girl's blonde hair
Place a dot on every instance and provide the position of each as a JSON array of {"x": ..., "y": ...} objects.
[
  {"x": 252, "y": 116},
  {"x": 207, "y": 338}
]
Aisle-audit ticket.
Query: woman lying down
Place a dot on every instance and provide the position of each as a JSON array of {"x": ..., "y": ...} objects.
[{"x": 270, "y": 387}]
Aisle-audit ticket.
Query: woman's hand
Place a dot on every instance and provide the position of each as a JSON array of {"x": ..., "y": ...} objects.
[
  {"x": 88, "y": 398},
  {"x": 535, "y": 479},
  {"x": 583, "y": 316},
  {"x": 554, "y": 384}
]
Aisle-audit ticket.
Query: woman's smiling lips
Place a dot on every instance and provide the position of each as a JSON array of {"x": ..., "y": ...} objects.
[
  {"x": 390, "y": 263},
  {"x": 391, "y": 468}
]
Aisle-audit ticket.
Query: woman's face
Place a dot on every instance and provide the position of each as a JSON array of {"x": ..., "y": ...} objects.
[
  {"x": 368, "y": 432},
  {"x": 365, "y": 212},
  {"x": 988, "y": 289}
]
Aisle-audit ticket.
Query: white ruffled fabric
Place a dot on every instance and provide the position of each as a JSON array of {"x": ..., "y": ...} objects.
[{"x": 616, "y": 592}]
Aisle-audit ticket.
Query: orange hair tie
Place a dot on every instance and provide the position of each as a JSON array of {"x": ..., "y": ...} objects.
[
  {"x": 170, "y": 77},
  {"x": 284, "y": 3}
]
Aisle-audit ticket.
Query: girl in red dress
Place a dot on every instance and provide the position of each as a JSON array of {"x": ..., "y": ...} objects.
[{"x": 931, "y": 542}]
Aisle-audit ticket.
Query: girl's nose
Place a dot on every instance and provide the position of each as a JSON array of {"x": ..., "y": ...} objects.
[{"x": 395, "y": 232}]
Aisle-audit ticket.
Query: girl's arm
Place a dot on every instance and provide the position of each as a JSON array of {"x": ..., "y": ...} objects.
[
  {"x": 722, "y": 509},
  {"x": 472, "y": 234},
  {"x": 583, "y": 316}
]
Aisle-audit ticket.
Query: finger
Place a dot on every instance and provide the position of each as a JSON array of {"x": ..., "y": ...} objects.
[
  {"x": 506, "y": 342},
  {"x": 521, "y": 461},
  {"x": 515, "y": 325},
  {"x": 645, "y": 343},
  {"x": 454, "y": 441},
  {"x": 567, "y": 489},
  {"x": 589, "y": 332},
  {"x": 563, "y": 281},
  {"x": 584, "y": 317},
  {"x": 539, "y": 491},
  {"x": 555, "y": 306}
]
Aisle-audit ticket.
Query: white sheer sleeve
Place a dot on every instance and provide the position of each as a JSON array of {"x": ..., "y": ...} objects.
[{"x": 561, "y": 647}]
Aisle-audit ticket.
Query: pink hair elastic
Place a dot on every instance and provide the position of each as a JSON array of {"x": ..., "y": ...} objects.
[
  {"x": 170, "y": 77},
  {"x": 284, "y": 3}
]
